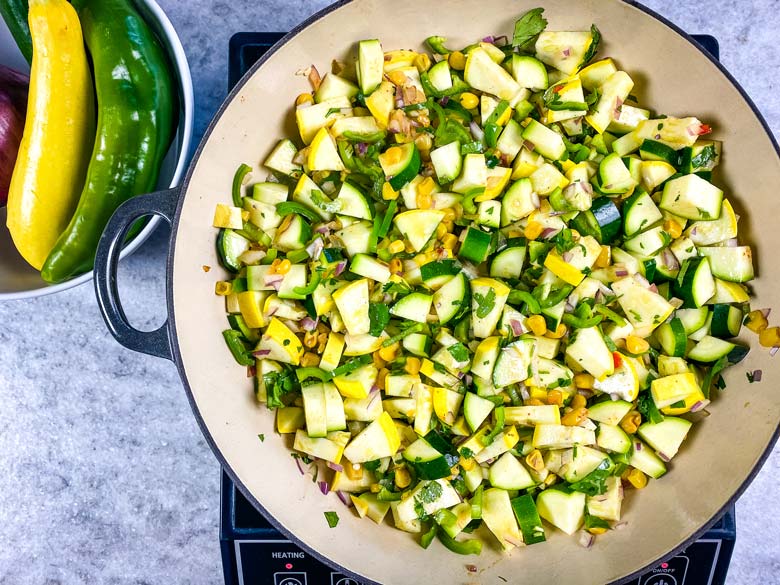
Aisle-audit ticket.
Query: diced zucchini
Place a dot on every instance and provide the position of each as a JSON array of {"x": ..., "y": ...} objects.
[{"x": 692, "y": 197}]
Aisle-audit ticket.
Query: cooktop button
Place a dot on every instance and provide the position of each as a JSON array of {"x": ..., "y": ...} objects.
[
  {"x": 290, "y": 579},
  {"x": 660, "y": 579}
]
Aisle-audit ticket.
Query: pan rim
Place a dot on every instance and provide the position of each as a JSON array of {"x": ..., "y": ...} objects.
[{"x": 176, "y": 350}]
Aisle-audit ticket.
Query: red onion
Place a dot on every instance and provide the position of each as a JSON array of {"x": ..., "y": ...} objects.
[
  {"x": 300, "y": 467},
  {"x": 567, "y": 52},
  {"x": 642, "y": 280},
  {"x": 620, "y": 272},
  {"x": 567, "y": 256},
  {"x": 315, "y": 248},
  {"x": 664, "y": 457},
  {"x": 757, "y": 375},
  {"x": 476, "y": 131},
  {"x": 324, "y": 488},
  {"x": 732, "y": 243},
  {"x": 653, "y": 288},
  {"x": 340, "y": 267},
  {"x": 586, "y": 539},
  {"x": 251, "y": 371},
  {"x": 501, "y": 41},
  {"x": 335, "y": 466},
  {"x": 471, "y": 568},
  {"x": 375, "y": 395},
  {"x": 261, "y": 352},
  {"x": 638, "y": 446},
  {"x": 344, "y": 499},
  {"x": 524, "y": 393},
  {"x": 467, "y": 379},
  {"x": 271, "y": 279},
  {"x": 619, "y": 525},
  {"x": 618, "y": 107},
  {"x": 309, "y": 324},
  {"x": 765, "y": 312},
  {"x": 529, "y": 145},
  {"x": 361, "y": 148},
  {"x": 699, "y": 405},
  {"x": 488, "y": 39},
  {"x": 517, "y": 327},
  {"x": 774, "y": 350},
  {"x": 445, "y": 100},
  {"x": 13, "y": 105},
  {"x": 548, "y": 233}
]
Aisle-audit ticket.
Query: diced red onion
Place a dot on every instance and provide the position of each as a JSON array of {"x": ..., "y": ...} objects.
[
  {"x": 620, "y": 272},
  {"x": 344, "y": 499},
  {"x": 548, "y": 233},
  {"x": 619, "y": 525},
  {"x": 251, "y": 371},
  {"x": 699, "y": 405},
  {"x": 664, "y": 457},
  {"x": 529, "y": 145},
  {"x": 653, "y": 288},
  {"x": 445, "y": 100},
  {"x": 567, "y": 52},
  {"x": 524, "y": 393},
  {"x": 323, "y": 229},
  {"x": 340, "y": 267},
  {"x": 670, "y": 260},
  {"x": 309, "y": 324},
  {"x": 586, "y": 539},
  {"x": 261, "y": 352},
  {"x": 324, "y": 488},
  {"x": 467, "y": 379},
  {"x": 774, "y": 350},
  {"x": 732, "y": 243},
  {"x": 488, "y": 39},
  {"x": 476, "y": 131},
  {"x": 271, "y": 279},
  {"x": 300, "y": 467},
  {"x": 765, "y": 312},
  {"x": 638, "y": 446},
  {"x": 642, "y": 280},
  {"x": 399, "y": 101},
  {"x": 618, "y": 107},
  {"x": 500, "y": 41},
  {"x": 471, "y": 568},
  {"x": 567, "y": 256},
  {"x": 335, "y": 466},
  {"x": 757, "y": 375},
  {"x": 517, "y": 327},
  {"x": 315, "y": 248},
  {"x": 361, "y": 148},
  {"x": 375, "y": 395}
]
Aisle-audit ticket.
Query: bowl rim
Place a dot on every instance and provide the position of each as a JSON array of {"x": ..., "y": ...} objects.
[
  {"x": 178, "y": 56},
  {"x": 176, "y": 349}
]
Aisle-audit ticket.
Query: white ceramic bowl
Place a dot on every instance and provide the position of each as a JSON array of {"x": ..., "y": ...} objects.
[{"x": 17, "y": 279}]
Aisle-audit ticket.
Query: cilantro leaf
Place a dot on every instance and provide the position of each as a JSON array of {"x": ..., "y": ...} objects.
[
  {"x": 485, "y": 303},
  {"x": 459, "y": 352},
  {"x": 707, "y": 156},
  {"x": 379, "y": 317},
  {"x": 595, "y": 483},
  {"x": 528, "y": 27},
  {"x": 277, "y": 384},
  {"x": 552, "y": 99},
  {"x": 332, "y": 518},
  {"x": 430, "y": 492},
  {"x": 647, "y": 408},
  {"x": 594, "y": 45},
  {"x": 399, "y": 287},
  {"x": 595, "y": 522},
  {"x": 261, "y": 437},
  {"x": 564, "y": 241}
]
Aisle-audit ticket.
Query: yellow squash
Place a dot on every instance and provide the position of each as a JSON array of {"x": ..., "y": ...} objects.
[{"x": 58, "y": 135}]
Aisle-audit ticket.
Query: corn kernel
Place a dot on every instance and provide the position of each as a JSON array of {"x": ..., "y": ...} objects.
[
  {"x": 537, "y": 324},
  {"x": 223, "y": 288},
  {"x": 396, "y": 246},
  {"x": 441, "y": 231},
  {"x": 583, "y": 380},
  {"x": 390, "y": 352},
  {"x": 673, "y": 228},
  {"x": 426, "y": 186},
  {"x": 534, "y": 460},
  {"x": 424, "y": 200},
  {"x": 449, "y": 241},
  {"x": 596, "y": 530},
  {"x": 574, "y": 417},
  {"x": 353, "y": 470},
  {"x": 636, "y": 344},
  {"x": 304, "y": 98},
  {"x": 388, "y": 193},
  {"x": 533, "y": 230},
  {"x": 637, "y": 479},
  {"x": 274, "y": 268},
  {"x": 631, "y": 422},
  {"x": 457, "y": 60},
  {"x": 322, "y": 340},
  {"x": 310, "y": 339},
  {"x": 396, "y": 266},
  {"x": 412, "y": 366},
  {"x": 578, "y": 401},
  {"x": 381, "y": 378},
  {"x": 769, "y": 337},
  {"x": 402, "y": 478},
  {"x": 310, "y": 359},
  {"x": 284, "y": 266},
  {"x": 756, "y": 321},
  {"x": 555, "y": 397},
  {"x": 467, "y": 464},
  {"x": 550, "y": 479},
  {"x": 397, "y": 77},
  {"x": 378, "y": 361},
  {"x": 468, "y": 100},
  {"x": 375, "y": 488},
  {"x": 450, "y": 225},
  {"x": 424, "y": 142},
  {"x": 422, "y": 62},
  {"x": 245, "y": 215},
  {"x": 533, "y": 402},
  {"x": 605, "y": 257},
  {"x": 559, "y": 332},
  {"x": 393, "y": 155}
]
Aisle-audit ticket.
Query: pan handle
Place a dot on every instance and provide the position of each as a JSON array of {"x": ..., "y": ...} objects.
[{"x": 157, "y": 342}]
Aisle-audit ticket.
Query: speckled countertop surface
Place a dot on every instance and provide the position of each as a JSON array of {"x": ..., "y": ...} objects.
[{"x": 105, "y": 476}]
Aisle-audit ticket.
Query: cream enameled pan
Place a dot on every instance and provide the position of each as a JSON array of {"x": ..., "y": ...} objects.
[{"x": 720, "y": 457}]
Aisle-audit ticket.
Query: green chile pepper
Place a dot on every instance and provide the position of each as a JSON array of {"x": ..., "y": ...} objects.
[
  {"x": 136, "y": 106},
  {"x": 14, "y": 13}
]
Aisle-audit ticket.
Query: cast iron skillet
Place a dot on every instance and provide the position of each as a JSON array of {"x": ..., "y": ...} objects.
[{"x": 673, "y": 75}]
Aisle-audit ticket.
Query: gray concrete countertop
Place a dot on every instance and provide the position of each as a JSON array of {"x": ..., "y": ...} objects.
[{"x": 106, "y": 477}]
